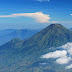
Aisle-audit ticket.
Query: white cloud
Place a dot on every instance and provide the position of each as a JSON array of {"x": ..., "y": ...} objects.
[
  {"x": 70, "y": 51},
  {"x": 63, "y": 60},
  {"x": 38, "y": 16},
  {"x": 55, "y": 54},
  {"x": 68, "y": 47},
  {"x": 42, "y": 63},
  {"x": 69, "y": 67},
  {"x": 43, "y": 0},
  {"x": 70, "y": 14},
  {"x": 62, "y": 56}
]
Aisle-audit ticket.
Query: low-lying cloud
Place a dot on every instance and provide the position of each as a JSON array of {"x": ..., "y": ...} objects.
[
  {"x": 70, "y": 51},
  {"x": 55, "y": 54},
  {"x": 63, "y": 60},
  {"x": 63, "y": 56},
  {"x": 42, "y": 63},
  {"x": 69, "y": 67},
  {"x": 38, "y": 16},
  {"x": 68, "y": 47}
]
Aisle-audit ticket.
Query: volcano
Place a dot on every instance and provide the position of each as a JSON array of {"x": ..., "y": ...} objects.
[{"x": 25, "y": 55}]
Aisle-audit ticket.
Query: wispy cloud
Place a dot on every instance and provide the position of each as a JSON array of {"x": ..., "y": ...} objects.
[
  {"x": 38, "y": 16},
  {"x": 70, "y": 14},
  {"x": 43, "y": 0}
]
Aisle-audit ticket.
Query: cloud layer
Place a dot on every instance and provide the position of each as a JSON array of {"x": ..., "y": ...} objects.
[
  {"x": 38, "y": 16},
  {"x": 63, "y": 60},
  {"x": 68, "y": 47},
  {"x": 55, "y": 54},
  {"x": 60, "y": 55},
  {"x": 63, "y": 56},
  {"x": 69, "y": 67}
]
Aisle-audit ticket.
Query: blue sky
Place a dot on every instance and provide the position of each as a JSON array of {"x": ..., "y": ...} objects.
[{"x": 27, "y": 12}]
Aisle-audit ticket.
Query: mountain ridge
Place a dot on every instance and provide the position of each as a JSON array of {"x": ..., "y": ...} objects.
[
  {"x": 8, "y": 34},
  {"x": 53, "y": 33}
]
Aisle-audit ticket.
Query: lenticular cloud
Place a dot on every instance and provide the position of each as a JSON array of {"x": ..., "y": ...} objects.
[{"x": 38, "y": 16}]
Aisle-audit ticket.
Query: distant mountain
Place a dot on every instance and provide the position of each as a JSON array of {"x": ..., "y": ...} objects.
[
  {"x": 24, "y": 33},
  {"x": 25, "y": 55},
  {"x": 7, "y": 31},
  {"x": 70, "y": 29},
  {"x": 9, "y": 34}
]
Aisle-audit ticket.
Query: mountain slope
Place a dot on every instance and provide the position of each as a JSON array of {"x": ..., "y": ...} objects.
[
  {"x": 70, "y": 29},
  {"x": 25, "y": 55},
  {"x": 52, "y": 36}
]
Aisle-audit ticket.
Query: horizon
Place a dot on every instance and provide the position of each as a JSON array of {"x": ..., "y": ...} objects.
[{"x": 33, "y": 28}]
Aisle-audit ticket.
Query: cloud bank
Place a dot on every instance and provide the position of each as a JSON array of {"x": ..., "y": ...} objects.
[
  {"x": 68, "y": 47},
  {"x": 69, "y": 67},
  {"x": 63, "y": 56},
  {"x": 55, "y": 54},
  {"x": 63, "y": 60},
  {"x": 60, "y": 55},
  {"x": 38, "y": 16},
  {"x": 43, "y": 0}
]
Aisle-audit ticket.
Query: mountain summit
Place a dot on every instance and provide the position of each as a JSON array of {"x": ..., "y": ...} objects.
[{"x": 52, "y": 36}]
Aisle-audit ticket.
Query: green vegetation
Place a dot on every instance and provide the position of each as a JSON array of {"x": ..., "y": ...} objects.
[{"x": 24, "y": 55}]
